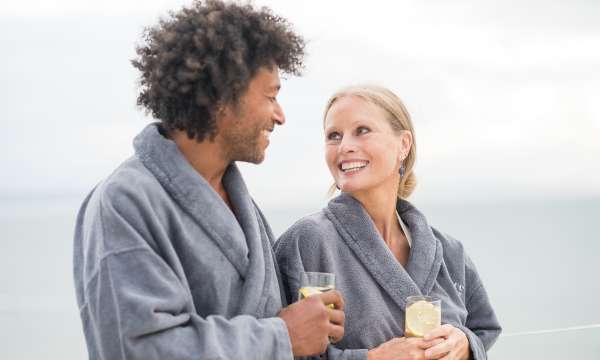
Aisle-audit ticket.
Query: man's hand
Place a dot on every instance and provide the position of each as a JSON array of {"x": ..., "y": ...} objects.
[{"x": 311, "y": 323}]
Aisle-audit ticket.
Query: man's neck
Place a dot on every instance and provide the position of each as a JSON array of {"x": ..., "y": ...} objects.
[{"x": 206, "y": 158}]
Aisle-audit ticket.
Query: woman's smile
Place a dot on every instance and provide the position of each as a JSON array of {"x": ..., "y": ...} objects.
[{"x": 350, "y": 167}]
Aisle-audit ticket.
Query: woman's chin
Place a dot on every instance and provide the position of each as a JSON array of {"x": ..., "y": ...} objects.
[{"x": 350, "y": 187}]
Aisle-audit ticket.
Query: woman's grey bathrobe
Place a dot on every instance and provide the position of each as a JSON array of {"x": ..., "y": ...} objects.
[
  {"x": 165, "y": 270},
  {"x": 342, "y": 239}
]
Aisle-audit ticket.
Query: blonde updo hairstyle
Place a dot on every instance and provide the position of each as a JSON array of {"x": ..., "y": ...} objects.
[{"x": 397, "y": 116}]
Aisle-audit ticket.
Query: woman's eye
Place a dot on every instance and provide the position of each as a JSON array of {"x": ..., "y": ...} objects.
[
  {"x": 362, "y": 130},
  {"x": 334, "y": 136}
]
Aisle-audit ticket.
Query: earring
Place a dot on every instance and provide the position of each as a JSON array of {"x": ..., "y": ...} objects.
[{"x": 402, "y": 170}]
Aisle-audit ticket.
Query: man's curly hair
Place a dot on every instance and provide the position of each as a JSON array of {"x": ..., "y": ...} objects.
[{"x": 204, "y": 56}]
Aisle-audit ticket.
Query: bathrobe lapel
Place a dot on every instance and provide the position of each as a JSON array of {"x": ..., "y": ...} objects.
[
  {"x": 261, "y": 271},
  {"x": 243, "y": 241},
  {"x": 359, "y": 233},
  {"x": 426, "y": 254}
]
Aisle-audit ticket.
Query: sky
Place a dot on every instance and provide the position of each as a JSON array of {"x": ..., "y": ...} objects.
[{"x": 504, "y": 96}]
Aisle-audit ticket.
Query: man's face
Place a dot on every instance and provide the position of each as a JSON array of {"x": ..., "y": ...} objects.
[{"x": 246, "y": 128}]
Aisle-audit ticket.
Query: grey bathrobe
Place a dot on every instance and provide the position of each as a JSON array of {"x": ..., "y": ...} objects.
[
  {"x": 165, "y": 270},
  {"x": 343, "y": 240}
]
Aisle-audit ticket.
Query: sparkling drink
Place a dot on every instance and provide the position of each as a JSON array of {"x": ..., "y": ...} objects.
[
  {"x": 307, "y": 291},
  {"x": 312, "y": 283}
]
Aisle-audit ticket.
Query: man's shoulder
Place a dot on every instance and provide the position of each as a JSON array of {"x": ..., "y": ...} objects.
[
  {"x": 128, "y": 185},
  {"x": 112, "y": 218},
  {"x": 126, "y": 195},
  {"x": 130, "y": 177}
]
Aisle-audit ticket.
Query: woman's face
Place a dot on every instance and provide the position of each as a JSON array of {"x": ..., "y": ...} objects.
[{"x": 361, "y": 149}]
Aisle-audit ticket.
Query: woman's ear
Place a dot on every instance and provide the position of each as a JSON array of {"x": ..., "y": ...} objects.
[{"x": 405, "y": 144}]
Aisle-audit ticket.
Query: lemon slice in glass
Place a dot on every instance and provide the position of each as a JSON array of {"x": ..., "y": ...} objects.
[
  {"x": 421, "y": 318},
  {"x": 307, "y": 291}
]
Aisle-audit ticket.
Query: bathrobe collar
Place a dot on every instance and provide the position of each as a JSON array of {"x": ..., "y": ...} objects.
[
  {"x": 359, "y": 233},
  {"x": 243, "y": 240}
]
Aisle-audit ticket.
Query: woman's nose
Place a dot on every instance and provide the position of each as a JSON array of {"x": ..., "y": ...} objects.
[{"x": 348, "y": 144}]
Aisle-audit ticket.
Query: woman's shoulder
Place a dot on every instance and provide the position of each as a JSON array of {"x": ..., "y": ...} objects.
[
  {"x": 309, "y": 226},
  {"x": 416, "y": 217},
  {"x": 308, "y": 231},
  {"x": 448, "y": 242},
  {"x": 453, "y": 249}
]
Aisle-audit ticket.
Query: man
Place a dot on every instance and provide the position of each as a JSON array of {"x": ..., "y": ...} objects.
[{"x": 173, "y": 259}]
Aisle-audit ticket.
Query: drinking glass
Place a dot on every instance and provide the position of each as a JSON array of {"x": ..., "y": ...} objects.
[
  {"x": 423, "y": 314},
  {"x": 312, "y": 283}
]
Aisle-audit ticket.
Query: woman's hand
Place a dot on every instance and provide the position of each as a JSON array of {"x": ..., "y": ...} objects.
[
  {"x": 450, "y": 344},
  {"x": 402, "y": 349}
]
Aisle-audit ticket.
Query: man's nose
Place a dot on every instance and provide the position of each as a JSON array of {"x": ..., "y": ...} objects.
[{"x": 278, "y": 115}]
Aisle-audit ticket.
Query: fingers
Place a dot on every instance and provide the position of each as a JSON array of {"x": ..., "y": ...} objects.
[
  {"x": 446, "y": 357},
  {"x": 335, "y": 313},
  {"x": 337, "y": 317},
  {"x": 332, "y": 297},
  {"x": 415, "y": 341},
  {"x": 311, "y": 324},
  {"x": 399, "y": 348},
  {"x": 336, "y": 333},
  {"x": 446, "y": 333},
  {"x": 440, "y": 331},
  {"x": 440, "y": 350},
  {"x": 426, "y": 344},
  {"x": 413, "y": 348}
]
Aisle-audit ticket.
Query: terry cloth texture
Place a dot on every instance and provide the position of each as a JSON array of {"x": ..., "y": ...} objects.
[
  {"x": 343, "y": 240},
  {"x": 165, "y": 270}
]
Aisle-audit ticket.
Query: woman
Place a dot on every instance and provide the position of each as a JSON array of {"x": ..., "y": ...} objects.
[{"x": 379, "y": 246}]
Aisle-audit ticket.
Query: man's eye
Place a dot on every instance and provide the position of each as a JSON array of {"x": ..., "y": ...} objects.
[{"x": 334, "y": 136}]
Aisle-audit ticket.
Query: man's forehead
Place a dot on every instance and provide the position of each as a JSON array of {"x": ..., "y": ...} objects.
[{"x": 268, "y": 77}]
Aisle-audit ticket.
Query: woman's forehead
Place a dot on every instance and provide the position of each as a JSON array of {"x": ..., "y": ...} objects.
[{"x": 350, "y": 110}]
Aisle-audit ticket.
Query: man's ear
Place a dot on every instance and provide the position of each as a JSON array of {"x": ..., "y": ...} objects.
[
  {"x": 221, "y": 110},
  {"x": 223, "y": 115}
]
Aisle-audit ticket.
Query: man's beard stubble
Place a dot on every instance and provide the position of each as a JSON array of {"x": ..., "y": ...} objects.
[{"x": 243, "y": 145}]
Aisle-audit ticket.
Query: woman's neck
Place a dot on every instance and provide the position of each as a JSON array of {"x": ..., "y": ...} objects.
[{"x": 380, "y": 204}]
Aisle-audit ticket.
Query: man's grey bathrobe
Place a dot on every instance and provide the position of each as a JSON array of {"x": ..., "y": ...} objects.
[
  {"x": 343, "y": 240},
  {"x": 164, "y": 269}
]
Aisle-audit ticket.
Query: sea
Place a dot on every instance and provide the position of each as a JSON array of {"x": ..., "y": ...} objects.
[{"x": 539, "y": 260}]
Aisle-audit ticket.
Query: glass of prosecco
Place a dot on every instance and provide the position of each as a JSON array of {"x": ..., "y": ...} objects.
[{"x": 312, "y": 283}]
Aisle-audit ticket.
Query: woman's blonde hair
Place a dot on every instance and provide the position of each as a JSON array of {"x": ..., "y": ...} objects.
[{"x": 397, "y": 116}]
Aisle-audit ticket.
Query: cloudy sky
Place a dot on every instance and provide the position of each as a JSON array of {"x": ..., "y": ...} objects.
[{"x": 504, "y": 95}]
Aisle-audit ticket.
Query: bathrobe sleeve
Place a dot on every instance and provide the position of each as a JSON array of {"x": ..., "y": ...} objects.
[
  {"x": 136, "y": 307},
  {"x": 482, "y": 327}
]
